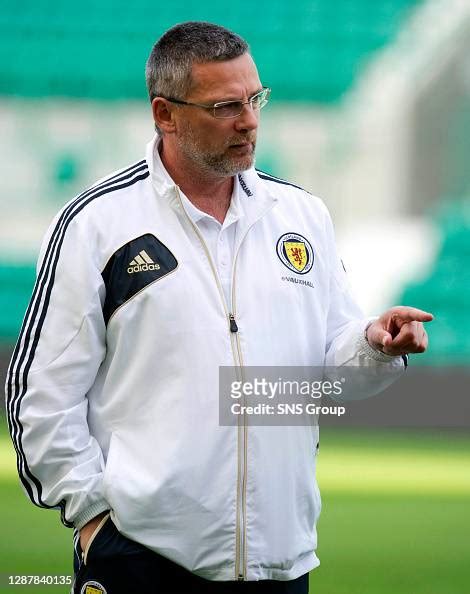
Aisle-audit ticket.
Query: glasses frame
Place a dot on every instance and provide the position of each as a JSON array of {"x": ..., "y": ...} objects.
[{"x": 214, "y": 106}]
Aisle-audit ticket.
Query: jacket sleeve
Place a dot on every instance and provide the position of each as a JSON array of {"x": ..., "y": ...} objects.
[
  {"x": 346, "y": 323},
  {"x": 54, "y": 364}
]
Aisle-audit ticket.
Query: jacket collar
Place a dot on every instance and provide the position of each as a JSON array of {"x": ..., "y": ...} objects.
[{"x": 256, "y": 196}]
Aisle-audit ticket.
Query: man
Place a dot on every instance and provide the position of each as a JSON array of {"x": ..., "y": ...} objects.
[{"x": 149, "y": 282}]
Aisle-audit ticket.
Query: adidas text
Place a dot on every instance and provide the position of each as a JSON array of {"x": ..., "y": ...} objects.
[
  {"x": 142, "y": 268},
  {"x": 141, "y": 263}
]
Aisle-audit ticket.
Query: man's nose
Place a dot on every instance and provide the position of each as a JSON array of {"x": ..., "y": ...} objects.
[{"x": 248, "y": 119}]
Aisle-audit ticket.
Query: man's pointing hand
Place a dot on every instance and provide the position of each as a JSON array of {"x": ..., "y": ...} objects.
[{"x": 399, "y": 331}]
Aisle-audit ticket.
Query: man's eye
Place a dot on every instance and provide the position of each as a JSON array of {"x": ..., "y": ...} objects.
[{"x": 229, "y": 108}]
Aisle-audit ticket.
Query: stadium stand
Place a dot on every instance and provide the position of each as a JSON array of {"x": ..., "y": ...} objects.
[
  {"x": 310, "y": 50},
  {"x": 446, "y": 290},
  {"x": 16, "y": 282}
]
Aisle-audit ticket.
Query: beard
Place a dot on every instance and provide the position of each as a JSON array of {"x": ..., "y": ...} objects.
[{"x": 225, "y": 161}]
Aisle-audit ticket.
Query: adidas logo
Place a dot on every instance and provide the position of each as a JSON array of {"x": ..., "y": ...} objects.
[{"x": 141, "y": 263}]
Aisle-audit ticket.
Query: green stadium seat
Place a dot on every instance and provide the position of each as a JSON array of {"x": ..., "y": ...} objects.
[
  {"x": 310, "y": 50},
  {"x": 16, "y": 282},
  {"x": 446, "y": 291}
]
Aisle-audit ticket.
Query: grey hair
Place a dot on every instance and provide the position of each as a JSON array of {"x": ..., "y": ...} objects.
[{"x": 168, "y": 68}]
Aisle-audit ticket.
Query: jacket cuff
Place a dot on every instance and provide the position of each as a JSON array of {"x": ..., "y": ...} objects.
[
  {"x": 90, "y": 512},
  {"x": 366, "y": 349}
]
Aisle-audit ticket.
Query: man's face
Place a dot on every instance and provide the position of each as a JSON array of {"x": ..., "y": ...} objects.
[{"x": 222, "y": 147}]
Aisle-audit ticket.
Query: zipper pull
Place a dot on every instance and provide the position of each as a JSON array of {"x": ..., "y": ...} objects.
[{"x": 233, "y": 323}]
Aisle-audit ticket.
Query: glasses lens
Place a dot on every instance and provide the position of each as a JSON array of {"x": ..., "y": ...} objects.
[
  {"x": 232, "y": 109},
  {"x": 258, "y": 101},
  {"x": 228, "y": 109}
]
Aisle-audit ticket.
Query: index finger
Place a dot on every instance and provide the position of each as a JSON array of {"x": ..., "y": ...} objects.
[{"x": 412, "y": 314}]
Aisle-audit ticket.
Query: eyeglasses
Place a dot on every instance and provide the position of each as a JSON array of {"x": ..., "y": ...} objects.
[{"x": 230, "y": 109}]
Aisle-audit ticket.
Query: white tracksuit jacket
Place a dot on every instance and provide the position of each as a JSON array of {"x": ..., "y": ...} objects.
[{"x": 112, "y": 392}]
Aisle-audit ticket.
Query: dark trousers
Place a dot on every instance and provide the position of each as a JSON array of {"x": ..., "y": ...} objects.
[{"x": 117, "y": 565}]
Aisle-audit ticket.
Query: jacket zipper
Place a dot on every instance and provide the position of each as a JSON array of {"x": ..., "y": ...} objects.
[
  {"x": 240, "y": 538},
  {"x": 240, "y": 552},
  {"x": 241, "y": 560},
  {"x": 233, "y": 323}
]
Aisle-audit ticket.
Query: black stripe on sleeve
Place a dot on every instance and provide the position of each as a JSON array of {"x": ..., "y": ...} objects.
[{"x": 25, "y": 348}]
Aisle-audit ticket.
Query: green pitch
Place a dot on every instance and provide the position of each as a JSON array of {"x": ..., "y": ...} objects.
[
  {"x": 395, "y": 519},
  {"x": 396, "y": 513}
]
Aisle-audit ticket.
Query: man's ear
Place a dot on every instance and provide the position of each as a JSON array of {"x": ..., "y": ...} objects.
[{"x": 163, "y": 115}]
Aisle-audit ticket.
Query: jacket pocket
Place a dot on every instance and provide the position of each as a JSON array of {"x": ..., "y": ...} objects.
[{"x": 93, "y": 538}]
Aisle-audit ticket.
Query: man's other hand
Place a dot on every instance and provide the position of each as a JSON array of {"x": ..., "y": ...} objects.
[{"x": 399, "y": 331}]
